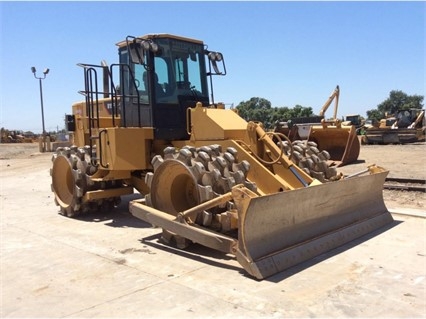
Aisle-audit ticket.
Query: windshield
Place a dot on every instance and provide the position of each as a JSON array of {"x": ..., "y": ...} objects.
[{"x": 180, "y": 71}]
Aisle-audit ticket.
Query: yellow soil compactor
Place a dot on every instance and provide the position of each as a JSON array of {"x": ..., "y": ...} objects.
[
  {"x": 338, "y": 139},
  {"x": 206, "y": 175}
]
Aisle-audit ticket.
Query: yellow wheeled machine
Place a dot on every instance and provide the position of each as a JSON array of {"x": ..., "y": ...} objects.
[
  {"x": 406, "y": 126},
  {"x": 339, "y": 139},
  {"x": 206, "y": 175}
]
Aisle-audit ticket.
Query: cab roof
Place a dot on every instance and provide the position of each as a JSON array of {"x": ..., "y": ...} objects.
[{"x": 152, "y": 36}]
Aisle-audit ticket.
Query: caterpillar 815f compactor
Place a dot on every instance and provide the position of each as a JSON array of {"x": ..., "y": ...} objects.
[{"x": 206, "y": 175}]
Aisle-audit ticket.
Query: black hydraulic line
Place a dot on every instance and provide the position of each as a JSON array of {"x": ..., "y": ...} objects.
[{"x": 296, "y": 173}]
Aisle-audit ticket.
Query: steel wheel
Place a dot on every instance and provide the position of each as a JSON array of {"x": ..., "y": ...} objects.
[
  {"x": 190, "y": 176},
  {"x": 70, "y": 179}
]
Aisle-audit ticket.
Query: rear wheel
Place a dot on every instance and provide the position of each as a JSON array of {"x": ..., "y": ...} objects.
[{"x": 71, "y": 178}]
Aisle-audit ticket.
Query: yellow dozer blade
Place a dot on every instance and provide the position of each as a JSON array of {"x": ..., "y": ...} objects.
[
  {"x": 278, "y": 231},
  {"x": 341, "y": 142},
  {"x": 282, "y": 230}
]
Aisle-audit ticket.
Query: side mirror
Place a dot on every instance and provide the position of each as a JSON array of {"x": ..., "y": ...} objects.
[
  {"x": 137, "y": 52},
  {"x": 137, "y": 48},
  {"x": 214, "y": 58}
]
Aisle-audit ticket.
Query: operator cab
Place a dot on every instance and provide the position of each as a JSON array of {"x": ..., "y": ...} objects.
[{"x": 165, "y": 75}]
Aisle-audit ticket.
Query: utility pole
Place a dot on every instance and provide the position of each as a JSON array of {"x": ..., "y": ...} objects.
[{"x": 33, "y": 70}]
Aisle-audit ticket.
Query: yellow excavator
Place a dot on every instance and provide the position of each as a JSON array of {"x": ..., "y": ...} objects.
[
  {"x": 339, "y": 139},
  {"x": 206, "y": 175}
]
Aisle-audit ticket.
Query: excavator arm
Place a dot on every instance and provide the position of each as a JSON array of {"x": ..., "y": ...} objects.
[{"x": 333, "y": 96}]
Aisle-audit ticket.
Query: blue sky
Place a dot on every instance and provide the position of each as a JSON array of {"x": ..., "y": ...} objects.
[{"x": 287, "y": 52}]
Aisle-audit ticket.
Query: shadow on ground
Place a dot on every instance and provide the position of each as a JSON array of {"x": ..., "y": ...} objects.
[
  {"x": 118, "y": 216},
  {"x": 218, "y": 259}
]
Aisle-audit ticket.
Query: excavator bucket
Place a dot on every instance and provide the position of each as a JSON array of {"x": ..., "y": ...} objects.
[
  {"x": 278, "y": 231},
  {"x": 341, "y": 142}
]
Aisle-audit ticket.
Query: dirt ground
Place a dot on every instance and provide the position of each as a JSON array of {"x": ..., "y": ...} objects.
[
  {"x": 404, "y": 161},
  {"x": 113, "y": 265}
]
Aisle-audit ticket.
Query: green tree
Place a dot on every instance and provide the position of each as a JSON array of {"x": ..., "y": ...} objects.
[
  {"x": 280, "y": 113},
  {"x": 301, "y": 111},
  {"x": 375, "y": 114},
  {"x": 260, "y": 110},
  {"x": 256, "y": 109},
  {"x": 251, "y": 108}
]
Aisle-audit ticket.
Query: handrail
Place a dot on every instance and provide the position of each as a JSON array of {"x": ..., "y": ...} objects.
[
  {"x": 100, "y": 149},
  {"x": 91, "y": 93}
]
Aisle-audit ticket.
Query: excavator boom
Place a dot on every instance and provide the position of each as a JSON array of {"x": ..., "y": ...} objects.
[{"x": 333, "y": 96}]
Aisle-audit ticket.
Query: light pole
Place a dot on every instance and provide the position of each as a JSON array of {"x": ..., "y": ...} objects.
[{"x": 33, "y": 69}]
